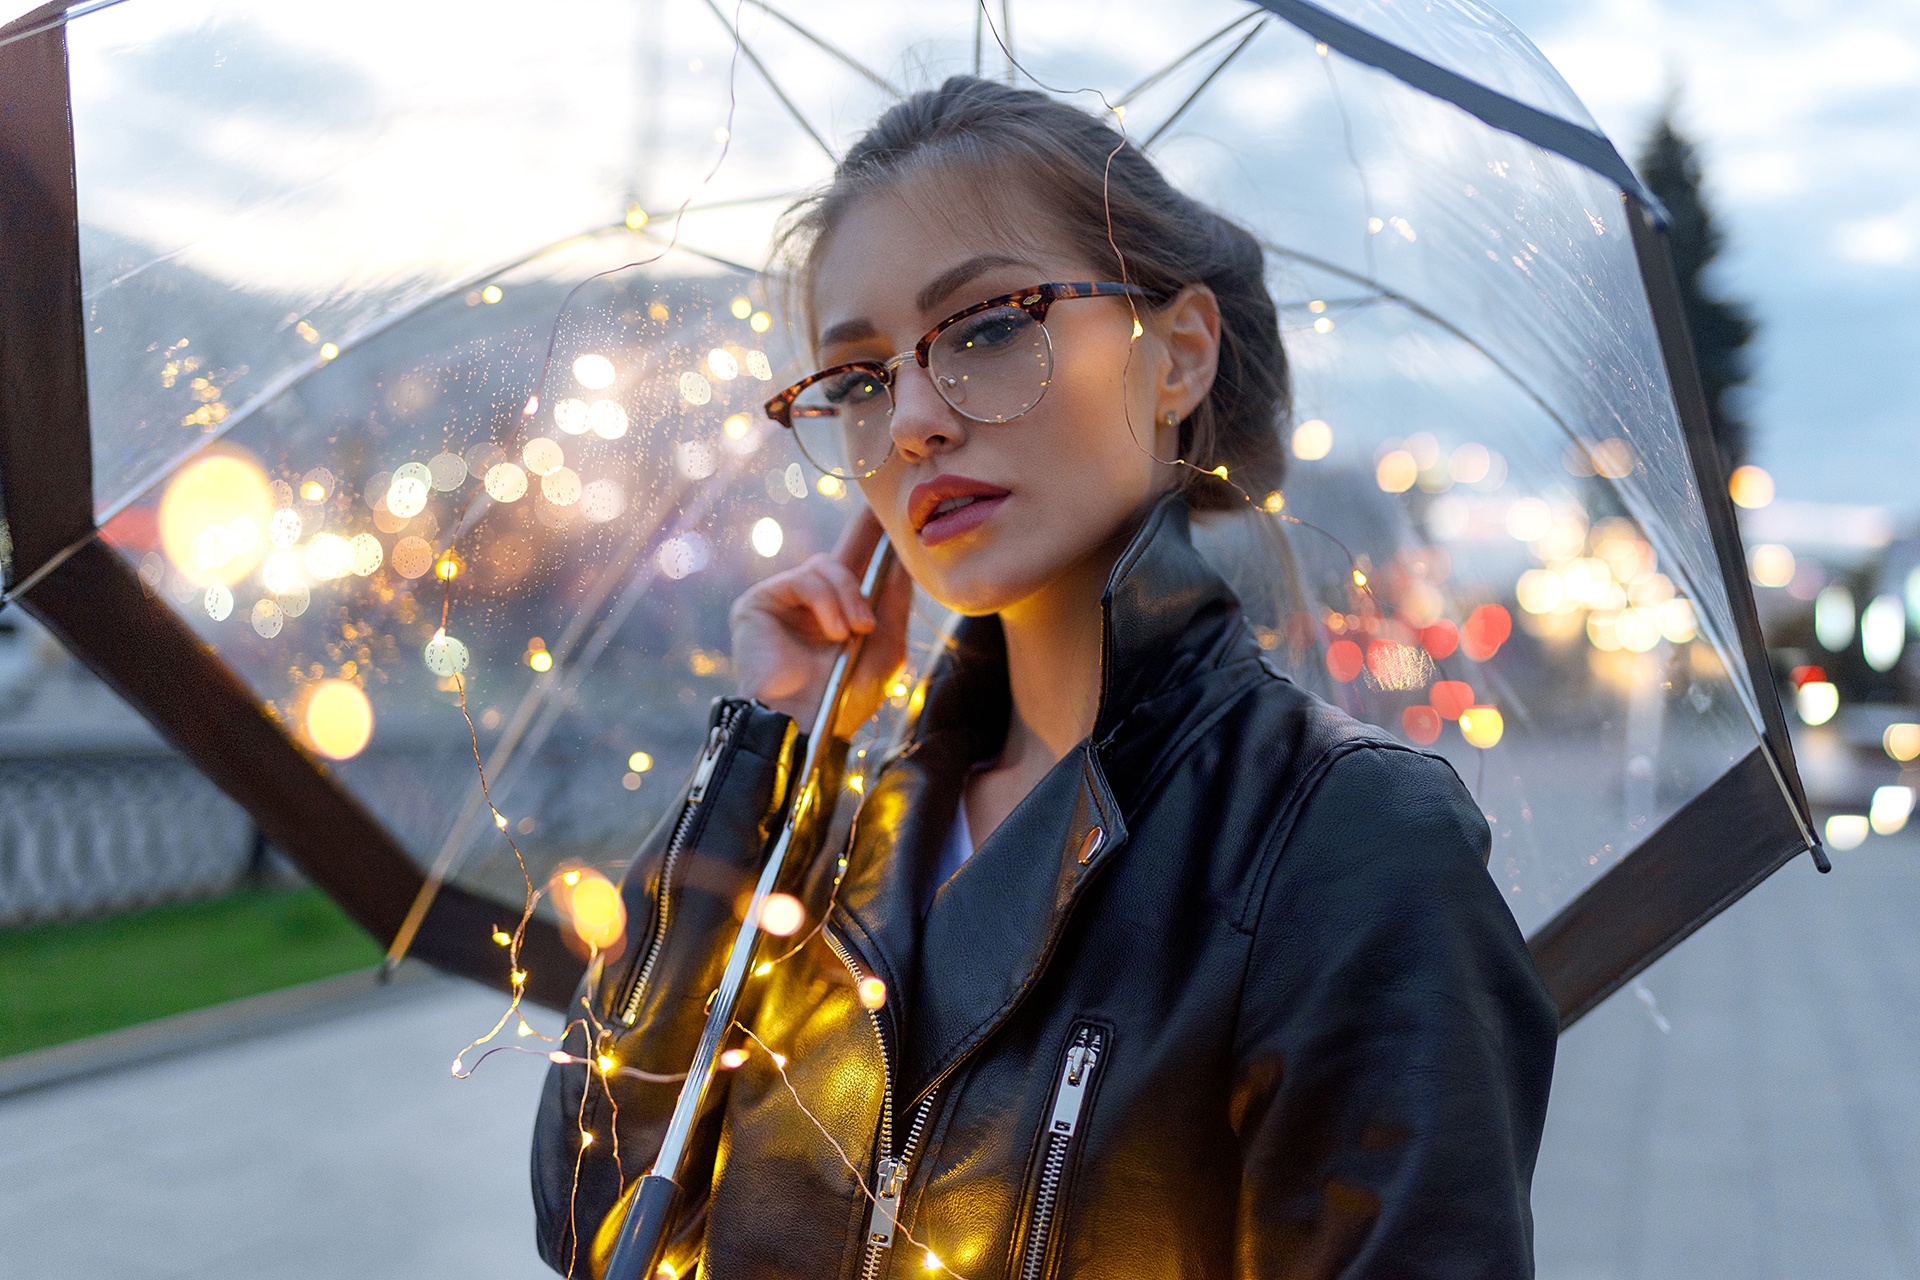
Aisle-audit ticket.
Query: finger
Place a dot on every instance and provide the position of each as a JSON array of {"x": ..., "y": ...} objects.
[
  {"x": 846, "y": 587},
  {"x": 809, "y": 590}
]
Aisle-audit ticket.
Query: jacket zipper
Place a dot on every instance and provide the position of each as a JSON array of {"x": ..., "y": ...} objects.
[
  {"x": 717, "y": 739},
  {"x": 893, "y": 1169},
  {"x": 1069, "y": 1101}
]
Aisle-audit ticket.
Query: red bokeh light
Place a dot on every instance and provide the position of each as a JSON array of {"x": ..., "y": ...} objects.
[
  {"x": 1487, "y": 629},
  {"x": 1441, "y": 639},
  {"x": 1807, "y": 675},
  {"x": 1420, "y": 724},
  {"x": 1450, "y": 698},
  {"x": 1344, "y": 660}
]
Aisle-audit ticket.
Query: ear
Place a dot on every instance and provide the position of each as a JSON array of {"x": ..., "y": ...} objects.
[{"x": 1190, "y": 327}]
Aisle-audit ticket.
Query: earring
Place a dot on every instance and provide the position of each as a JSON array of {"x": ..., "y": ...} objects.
[{"x": 1172, "y": 417}]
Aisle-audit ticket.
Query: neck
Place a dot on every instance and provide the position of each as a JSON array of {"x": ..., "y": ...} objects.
[{"x": 1053, "y": 640}]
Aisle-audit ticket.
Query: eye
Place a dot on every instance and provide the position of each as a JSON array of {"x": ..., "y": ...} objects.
[
  {"x": 989, "y": 330},
  {"x": 852, "y": 388}
]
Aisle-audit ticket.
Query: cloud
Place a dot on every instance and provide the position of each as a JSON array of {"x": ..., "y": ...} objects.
[{"x": 1888, "y": 240}]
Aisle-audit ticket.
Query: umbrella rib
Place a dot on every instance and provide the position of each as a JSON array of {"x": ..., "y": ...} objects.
[
  {"x": 1428, "y": 314},
  {"x": 740, "y": 43},
  {"x": 1006, "y": 37},
  {"x": 829, "y": 48},
  {"x": 1183, "y": 59},
  {"x": 1203, "y": 86}
]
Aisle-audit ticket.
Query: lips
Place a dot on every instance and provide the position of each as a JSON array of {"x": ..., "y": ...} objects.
[{"x": 948, "y": 506}]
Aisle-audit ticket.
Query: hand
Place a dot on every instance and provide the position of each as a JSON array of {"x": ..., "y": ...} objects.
[{"x": 788, "y": 630}]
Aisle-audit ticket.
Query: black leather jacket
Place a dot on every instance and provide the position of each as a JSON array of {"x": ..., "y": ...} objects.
[{"x": 1230, "y": 993}]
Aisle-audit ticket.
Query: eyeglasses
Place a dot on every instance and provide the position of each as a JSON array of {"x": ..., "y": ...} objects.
[{"x": 992, "y": 362}]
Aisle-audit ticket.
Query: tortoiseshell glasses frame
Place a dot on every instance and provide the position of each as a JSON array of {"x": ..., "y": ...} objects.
[{"x": 991, "y": 370}]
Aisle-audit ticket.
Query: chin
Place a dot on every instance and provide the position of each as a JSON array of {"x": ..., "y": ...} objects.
[{"x": 980, "y": 583}]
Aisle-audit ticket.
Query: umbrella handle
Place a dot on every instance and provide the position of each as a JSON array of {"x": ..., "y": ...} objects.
[{"x": 655, "y": 1206}]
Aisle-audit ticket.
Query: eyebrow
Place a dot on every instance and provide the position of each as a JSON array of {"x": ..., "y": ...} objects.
[
  {"x": 952, "y": 278},
  {"x": 935, "y": 290}
]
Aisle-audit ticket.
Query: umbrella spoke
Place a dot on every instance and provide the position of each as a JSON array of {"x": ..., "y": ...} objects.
[
  {"x": 839, "y": 54},
  {"x": 1177, "y": 63},
  {"x": 1202, "y": 87},
  {"x": 766, "y": 75}
]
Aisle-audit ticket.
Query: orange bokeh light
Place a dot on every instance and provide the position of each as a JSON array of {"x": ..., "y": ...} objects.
[
  {"x": 590, "y": 907},
  {"x": 338, "y": 719}
]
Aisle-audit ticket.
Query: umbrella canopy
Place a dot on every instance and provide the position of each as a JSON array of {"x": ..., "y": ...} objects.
[{"x": 381, "y": 418}]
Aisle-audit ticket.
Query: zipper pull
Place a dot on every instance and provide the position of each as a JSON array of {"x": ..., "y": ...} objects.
[
  {"x": 704, "y": 774},
  {"x": 1074, "y": 1078},
  {"x": 890, "y": 1177}
]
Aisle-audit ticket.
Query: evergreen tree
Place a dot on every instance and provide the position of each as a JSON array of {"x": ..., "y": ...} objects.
[{"x": 1721, "y": 328}]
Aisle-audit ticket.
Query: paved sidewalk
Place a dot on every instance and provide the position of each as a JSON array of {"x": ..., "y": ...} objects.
[
  {"x": 343, "y": 1150},
  {"x": 1773, "y": 1133}
]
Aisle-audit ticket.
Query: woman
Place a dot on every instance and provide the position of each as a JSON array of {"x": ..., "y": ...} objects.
[{"x": 1140, "y": 961}]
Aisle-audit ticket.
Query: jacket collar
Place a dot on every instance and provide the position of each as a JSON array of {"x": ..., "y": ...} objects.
[{"x": 1167, "y": 620}]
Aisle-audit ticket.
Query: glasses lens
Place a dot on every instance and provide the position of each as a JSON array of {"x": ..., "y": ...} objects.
[
  {"x": 994, "y": 365},
  {"x": 844, "y": 423}
]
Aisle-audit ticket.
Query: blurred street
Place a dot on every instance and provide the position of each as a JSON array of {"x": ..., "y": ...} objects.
[{"x": 1766, "y": 1134}]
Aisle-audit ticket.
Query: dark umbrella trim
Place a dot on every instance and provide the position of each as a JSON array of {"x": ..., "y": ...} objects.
[
  {"x": 1702, "y": 860},
  {"x": 1543, "y": 129}
]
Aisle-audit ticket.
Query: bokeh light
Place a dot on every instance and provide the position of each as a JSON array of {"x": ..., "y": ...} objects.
[
  {"x": 329, "y": 557},
  {"x": 782, "y": 915},
  {"x": 1901, "y": 742},
  {"x": 1312, "y": 440},
  {"x": 1816, "y": 701},
  {"x": 506, "y": 482},
  {"x": 590, "y": 907},
  {"x": 1396, "y": 471},
  {"x": 408, "y": 491},
  {"x": 338, "y": 719},
  {"x": 767, "y": 537},
  {"x": 542, "y": 456},
  {"x": 1421, "y": 725},
  {"x": 594, "y": 372},
  {"x": 1883, "y": 632},
  {"x": 1833, "y": 618},
  {"x": 1751, "y": 487},
  {"x": 1770, "y": 565},
  {"x": 1482, "y": 726},
  {"x": 1891, "y": 807},
  {"x": 606, "y": 419},
  {"x": 214, "y": 519},
  {"x": 1847, "y": 831}
]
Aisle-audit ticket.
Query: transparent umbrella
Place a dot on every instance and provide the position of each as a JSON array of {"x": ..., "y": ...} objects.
[{"x": 381, "y": 420}]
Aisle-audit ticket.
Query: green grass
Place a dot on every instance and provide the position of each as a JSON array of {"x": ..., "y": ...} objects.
[{"x": 59, "y": 982}]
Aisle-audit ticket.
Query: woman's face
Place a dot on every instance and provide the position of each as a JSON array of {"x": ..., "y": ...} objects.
[{"x": 1051, "y": 492}]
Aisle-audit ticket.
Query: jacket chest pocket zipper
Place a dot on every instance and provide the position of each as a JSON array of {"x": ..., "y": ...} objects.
[{"x": 1064, "y": 1124}]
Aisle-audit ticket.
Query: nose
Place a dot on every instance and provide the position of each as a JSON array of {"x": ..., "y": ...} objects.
[{"x": 923, "y": 422}]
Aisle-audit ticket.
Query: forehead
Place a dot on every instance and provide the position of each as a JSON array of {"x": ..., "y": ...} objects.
[{"x": 890, "y": 244}]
